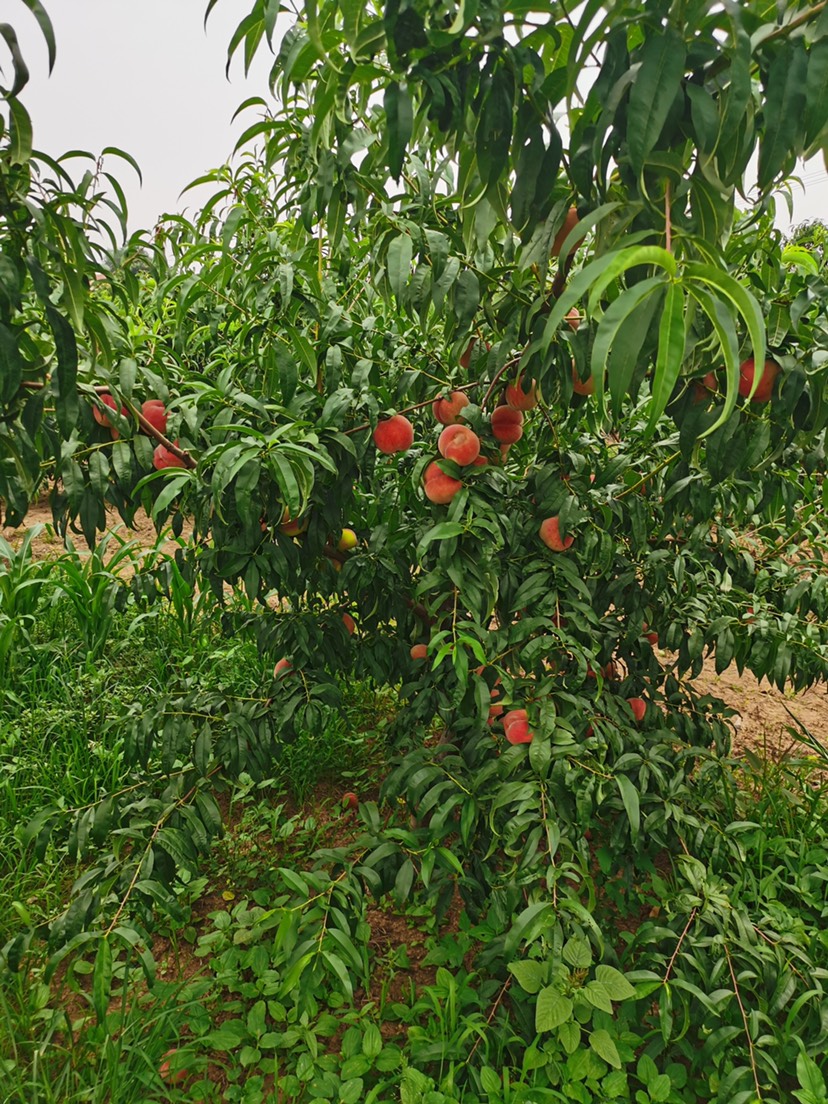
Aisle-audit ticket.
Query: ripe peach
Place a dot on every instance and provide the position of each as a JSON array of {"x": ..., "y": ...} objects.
[
  {"x": 582, "y": 387},
  {"x": 763, "y": 392},
  {"x": 166, "y": 1073},
  {"x": 99, "y": 415},
  {"x": 516, "y": 724},
  {"x": 495, "y": 711},
  {"x": 419, "y": 651},
  {"x": 568, "y": 225},
  {"x": 349, "y": 623},
  {"x": 447, "y": 411},
  {"x": 292, "y": 527},
  {"x": 507, "y": 424},
  {"x": 703, "y": 387},
  {"x": 519, "y": 398},
  {"x": 350, "y": 801},
  {"x": 573, "y": 317},
  {"x": 283, "y": 667},
  {"x": 651, "y": 636},
  {"x": 163, "y": 458},
  {"x": 513, "y": 716},
  {"x": 154, "y": 412},
  {"x": 439, "y": 487},
  {"x": 638, "y": 706},
  {"x": 550, "y": 534},
  {"x": 394, "y": 434},
  {"x": 460, "y": 444}
]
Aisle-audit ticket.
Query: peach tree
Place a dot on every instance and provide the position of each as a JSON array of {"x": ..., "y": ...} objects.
[{"x": 485, "y": 376}]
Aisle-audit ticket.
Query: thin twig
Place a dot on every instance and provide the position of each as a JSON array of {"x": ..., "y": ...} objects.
[
  {"x": 674, "y": 955},
  {"x": 491, "y": 1015},
  {"x": 745, "y": 1022},
  {"x": 416, "y": 406},
  {"x": 668, "y": 225},
  {"x": 148, "y": 427},
  {"x": 497, "y": 377}
]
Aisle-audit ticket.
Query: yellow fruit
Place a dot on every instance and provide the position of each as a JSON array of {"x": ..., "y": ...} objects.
[{"x": 347, "y": 541}]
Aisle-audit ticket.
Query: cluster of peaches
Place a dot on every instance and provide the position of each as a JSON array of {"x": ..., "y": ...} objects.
[
  {"x": 153, "y": 414},
  {"x": 459, "y": 443},
  {"x": 516, "y": 721}
]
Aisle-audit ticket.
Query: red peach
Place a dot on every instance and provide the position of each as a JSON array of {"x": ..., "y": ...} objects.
[
  {"x": 163, "y": 458},
  {"x": 519, "y": 398},
  {"x": 447, "y": 411},
  {"x": 460, "y": 444},
  {"x": 582, "y": 387},
  {"x": 283, "y": 667},
  {"x": 507, "y": 424},
  {"x": 764, "y": 390},
  {"x": 100, "y": 417},
  {"x": 513, "y": 716},
  {"x": 349, "y": 623},
  {"x": 573, "y": 317},
  {"x": 395, "y": 434},
  {"x": 550, "y": 534},
  {"x": 568, "y": 225},
  {"x": 154, "y": 412},
  {"x": 419, "y": 651},
  {"x": 519, "y": 733},
  {"x": 638, "y": 707},
  {"x": 439, "y": 487},
  {"x": 166, "y": 1073},
  {"x": 292, "y": 527},
  {"x": 350, "y": 801}
]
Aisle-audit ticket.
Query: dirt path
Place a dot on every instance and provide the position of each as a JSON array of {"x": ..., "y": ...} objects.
[{"x": 763, "y": 720}]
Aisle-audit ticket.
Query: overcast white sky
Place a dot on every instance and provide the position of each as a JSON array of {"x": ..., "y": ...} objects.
[{"x": 145, "y": 76}]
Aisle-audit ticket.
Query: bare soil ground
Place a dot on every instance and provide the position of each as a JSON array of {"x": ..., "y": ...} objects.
[{"x": 763, "y": 720}]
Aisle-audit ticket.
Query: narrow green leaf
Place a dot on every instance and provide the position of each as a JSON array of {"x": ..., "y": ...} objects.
[
  {"x": 124, "y": 156},
  {"x": 493, "y": 134},
  {"x": 595, "y": 278},
  {"x": 21, "y": 71},
  {"x": 741, "y": 299},
  {"x": 398, "y": 262},
  {"x": 656, "y": 84},
  {"x": 629, "y": 795},
  {"x": 65, "y": 377},
  {"x": 672, "y": 336},
  {"x": 816, "y": 92},
  {"x": 784, "y": 110},
  {"x": 102, "y": 979},
  {"x": 723, "y": 319},
  {"x": 20, "y": 132},
  {"x": 399, "y": 118},
  {"x": 625, "y": 354},
  {"x": 46, "y": 28},
  {"x": 616, "y": 314}
]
